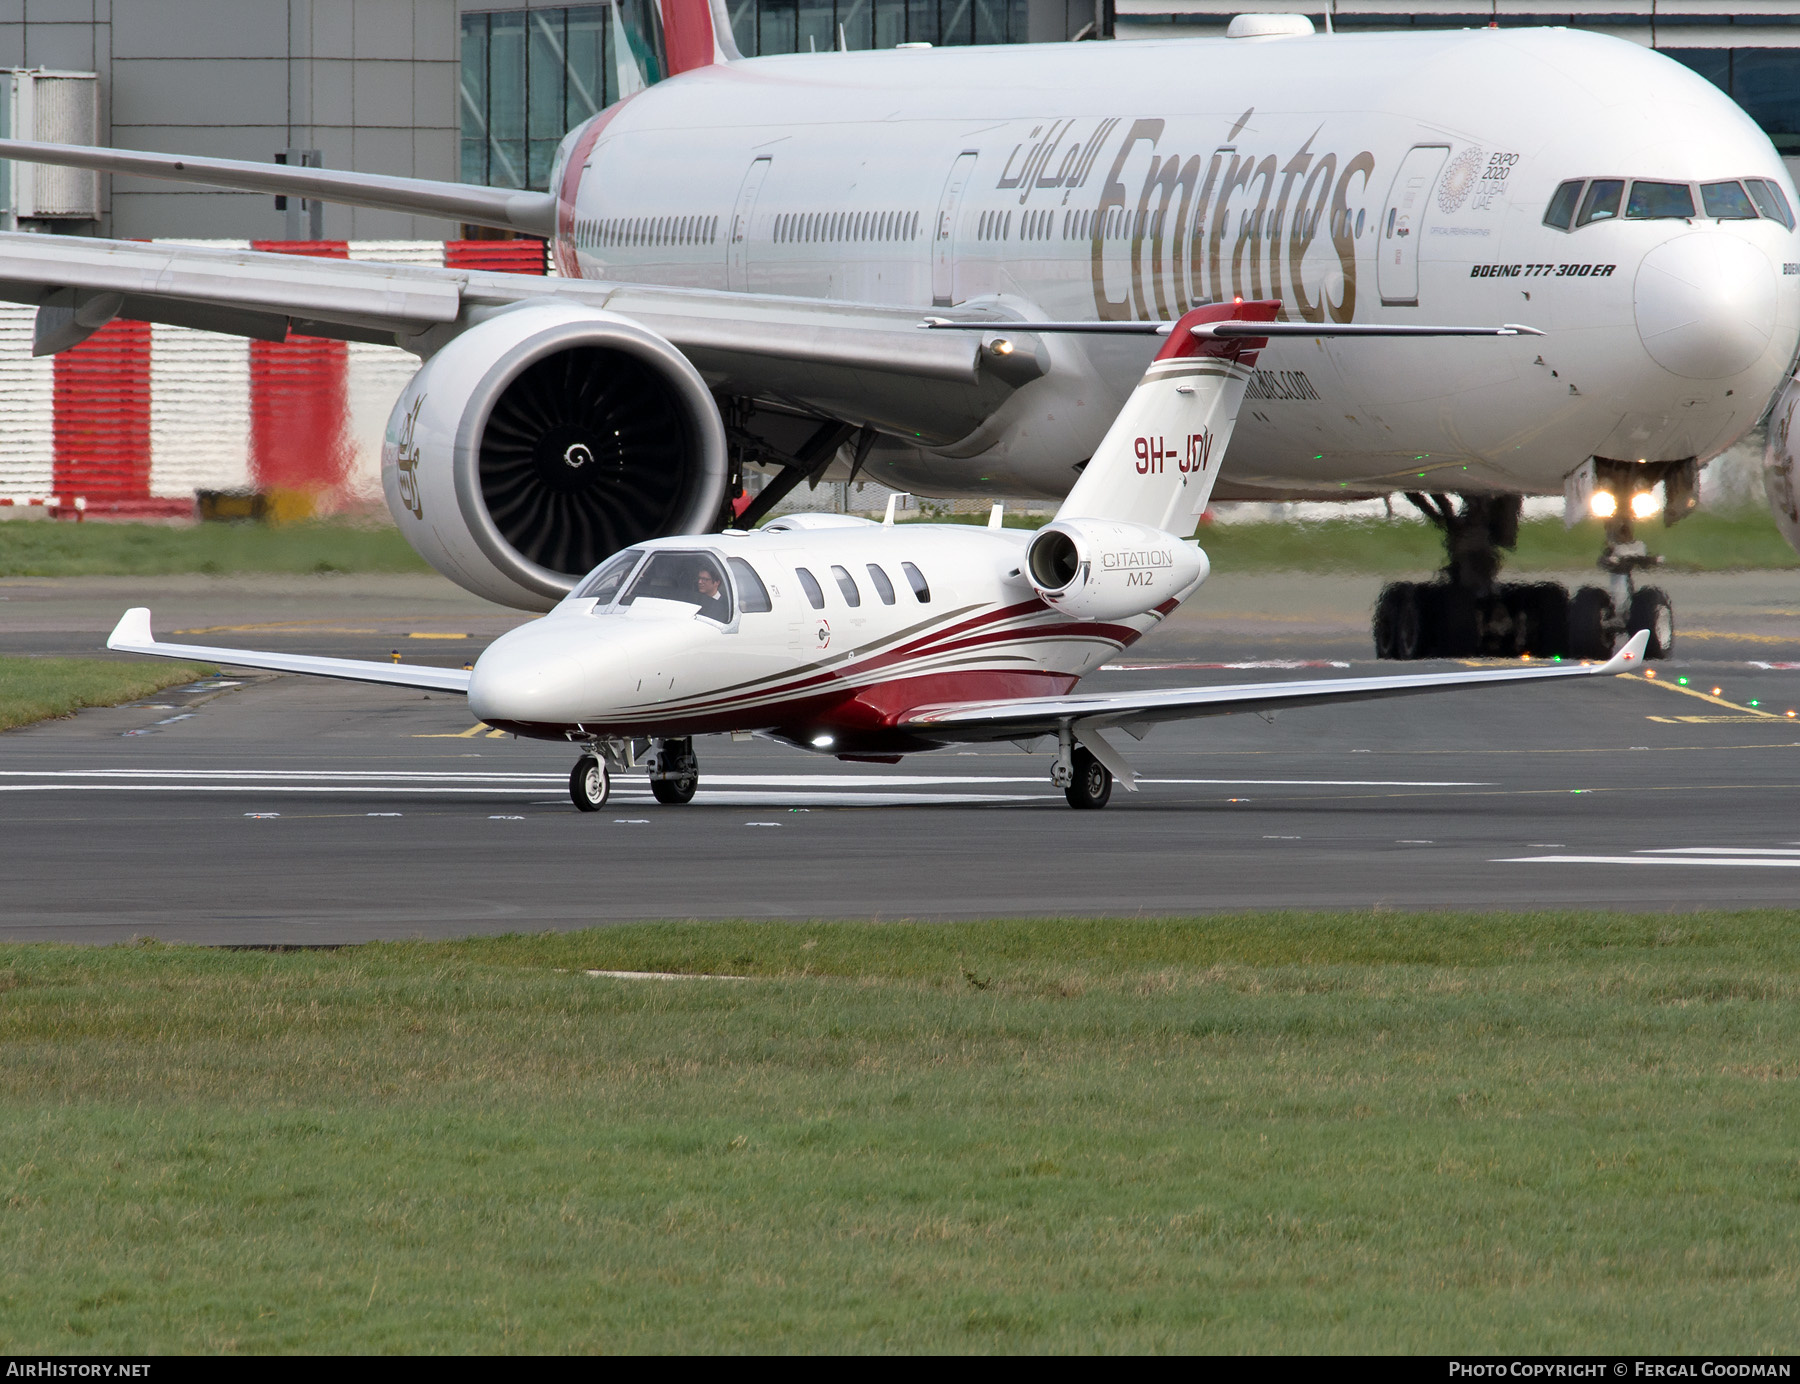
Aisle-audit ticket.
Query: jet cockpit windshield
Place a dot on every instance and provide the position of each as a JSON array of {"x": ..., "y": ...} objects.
[
  {"x": 603, "y": 583},
  {"x": 694, "y": 578},
  {"x": 1582, "y": 201}
]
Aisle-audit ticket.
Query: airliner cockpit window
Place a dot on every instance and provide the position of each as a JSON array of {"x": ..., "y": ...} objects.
[
  {"x": 692, "y": 578},
  {"x": 1562, "y": 206},
  {"x": 1770, "y": 200},
  {"x": 1726, "y": 202},
  {"x": 1659, "y": 201},
  {"x": 1602, "y": 200},
  {"x": 603, "y": 586}
]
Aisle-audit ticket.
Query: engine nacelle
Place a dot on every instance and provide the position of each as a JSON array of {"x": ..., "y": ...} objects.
[
  {"x": 544, "y": 439},
  {"x": 1781, "y": 465},
  {"x": 1102, "y": 569}
]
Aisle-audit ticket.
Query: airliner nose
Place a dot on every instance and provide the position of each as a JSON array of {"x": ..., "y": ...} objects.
[
  {"x": 523, "y": 683},
  {"x": 1705, "y": 305}
]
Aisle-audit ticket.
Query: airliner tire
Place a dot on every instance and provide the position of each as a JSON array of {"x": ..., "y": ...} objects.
[
  {"x": 1092, "y": 784},
  {"x": 589, "y": 784}
]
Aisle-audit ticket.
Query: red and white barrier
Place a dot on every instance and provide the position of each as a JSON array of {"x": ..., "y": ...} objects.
[
  {"x": 138, "y": 417},
  {"x": 74, "y": 504}
]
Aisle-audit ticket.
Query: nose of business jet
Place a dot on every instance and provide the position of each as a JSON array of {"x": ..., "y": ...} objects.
[
  {"x": 527, "y": 675},
  {"x": 1705, "y": 305}
]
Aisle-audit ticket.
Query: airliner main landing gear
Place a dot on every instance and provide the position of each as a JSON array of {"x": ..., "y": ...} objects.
[{"x": 1466, "y": 612}]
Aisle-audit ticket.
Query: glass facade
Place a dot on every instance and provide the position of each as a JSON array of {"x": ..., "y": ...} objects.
[
  {"x": 529, "y": 76},
  {"x": 1764, "y": 81}
]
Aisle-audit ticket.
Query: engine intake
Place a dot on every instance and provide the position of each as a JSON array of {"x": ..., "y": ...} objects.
[
  {"x": 543, "y": 440},
  {"x": 1104, "y": 569}
]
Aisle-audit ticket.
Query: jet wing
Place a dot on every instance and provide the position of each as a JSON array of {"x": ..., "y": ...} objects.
[
  {"x": 963, "y": 722},
  {"x": 862, "y": 364},
  {"x": 132, "y": 635}
]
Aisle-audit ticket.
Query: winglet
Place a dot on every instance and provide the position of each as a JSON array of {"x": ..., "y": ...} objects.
[
  {"x": 1628, "y": 657},
  {"x": 133, "y": 630}
]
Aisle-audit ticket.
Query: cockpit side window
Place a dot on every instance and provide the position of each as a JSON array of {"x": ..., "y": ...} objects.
[
  {"x": 753, "y": 596},
  {"x": 1562, "y": 206},
  {"x": 1726, "y": 202},
  {"x": 603, "y": 585},
  {"x": 1659, "y": 201},
  {"x": 1602, "y": 200},
  {"x": 1771, "y": 201},
  {"x": 692, "y": 578}
]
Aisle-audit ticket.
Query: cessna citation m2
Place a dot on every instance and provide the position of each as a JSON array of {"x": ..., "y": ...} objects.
[
  {"x": 745, "y": 249},
  {"x": 931, "y": 635}
]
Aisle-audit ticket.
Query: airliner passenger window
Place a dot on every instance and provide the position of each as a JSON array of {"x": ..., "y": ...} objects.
[
  {"x": 815, "y": 597},
  {"x": 917, "y": 578},
  {"x": 1659, "y": 201},
  {"x": 1602, "y": 200},
  {"x": 883, "y": 587},
  {"x": 847, "y": 584},
  {"x": 1562, "y": 206},
  {"x": 603, "y": 586},
  {"x": 753, "y": 596},
  {"x": 1770, "y": 201},
  {"x": 1726, "y": 202}
]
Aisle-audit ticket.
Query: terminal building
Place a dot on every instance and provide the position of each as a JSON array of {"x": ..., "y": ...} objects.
[{"x": 140, "y": 417}]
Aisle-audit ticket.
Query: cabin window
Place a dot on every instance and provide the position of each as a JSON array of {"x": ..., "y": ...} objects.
[
  {"x": 603, "y": 586},
  {"x": 1659, "y": 201},
  {"x": 921, "y": 588},
  {"x": 847, "y": 585},
  {"x": 1727, "y": 202},
  {"x": 753, "y": 596},
  {"x": 1602, "y": 200},
  {"x": 883, "y": 587},
  {"x": 815, "y": 595},
  {"x": 1770, "y": 200}
]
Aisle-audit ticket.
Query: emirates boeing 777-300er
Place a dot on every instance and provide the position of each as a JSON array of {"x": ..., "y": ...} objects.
[{"x": 749, "y": 253}]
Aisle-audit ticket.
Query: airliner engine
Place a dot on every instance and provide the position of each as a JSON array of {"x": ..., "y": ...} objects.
[
  {"x": 1102, "y": 569},
  {"x": 1781, "y": 465},
  {"x": 542, "y": 440}
]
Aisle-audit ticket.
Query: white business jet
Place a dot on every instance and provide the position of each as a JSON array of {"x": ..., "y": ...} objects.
[{"x": 869, "y": 641}]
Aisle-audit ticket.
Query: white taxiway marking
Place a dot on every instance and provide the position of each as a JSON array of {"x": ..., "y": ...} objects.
[
  {"x": 1719, "y": 850},
  {"x": 1737, "y": 860}
]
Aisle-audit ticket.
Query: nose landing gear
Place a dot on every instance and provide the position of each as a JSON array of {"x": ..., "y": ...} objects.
[{"x": 589, "y": 783}]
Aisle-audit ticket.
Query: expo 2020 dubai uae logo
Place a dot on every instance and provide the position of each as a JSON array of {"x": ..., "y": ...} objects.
[{"x": 1459, "y": 179}]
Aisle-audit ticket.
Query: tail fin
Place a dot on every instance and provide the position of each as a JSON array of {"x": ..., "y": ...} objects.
[
  {"x": 1158, "y": 461},
  {"x": 696, "y": 33}
]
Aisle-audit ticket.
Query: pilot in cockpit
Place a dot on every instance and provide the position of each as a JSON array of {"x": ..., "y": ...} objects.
[{"x": 710, "y": 594}]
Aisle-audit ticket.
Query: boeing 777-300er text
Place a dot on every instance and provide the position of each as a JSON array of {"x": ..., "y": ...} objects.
[
  {"x": 746, "y": 248},
  {"x": 870, "y": 641}
]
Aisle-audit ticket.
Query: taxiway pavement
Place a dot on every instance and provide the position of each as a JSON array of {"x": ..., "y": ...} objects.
[{"x": 264, "y": 810}]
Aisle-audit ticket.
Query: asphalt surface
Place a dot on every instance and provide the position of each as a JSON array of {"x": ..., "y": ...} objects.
[{"x": 280, "y": 810}]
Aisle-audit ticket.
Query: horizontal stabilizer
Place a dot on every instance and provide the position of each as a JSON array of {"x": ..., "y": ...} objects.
[
  {"x": 132, "y": 635},
  {"x": 531, "y": 212}
]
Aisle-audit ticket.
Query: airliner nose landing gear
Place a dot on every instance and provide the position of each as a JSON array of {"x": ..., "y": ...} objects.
[{"x": 1466, "y": 612}]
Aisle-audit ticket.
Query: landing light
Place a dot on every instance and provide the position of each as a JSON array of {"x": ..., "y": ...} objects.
[
  {"x": 1603, "y": 504},
  {"x": 822, "y": 742},
  {"x": 1643, "y": 505}
]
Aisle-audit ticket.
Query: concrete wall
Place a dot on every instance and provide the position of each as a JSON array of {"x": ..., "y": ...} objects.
[{"x": 370, "y": 83}]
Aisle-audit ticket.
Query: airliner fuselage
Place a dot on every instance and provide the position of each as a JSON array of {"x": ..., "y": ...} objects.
[{"x": 1366, "y": 178}]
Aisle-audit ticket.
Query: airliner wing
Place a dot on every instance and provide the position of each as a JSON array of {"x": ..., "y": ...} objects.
[
  {"x": 859, "y": 363},
  {"x": 132, "y": 635},
  {"x": 962, "y": 722}
]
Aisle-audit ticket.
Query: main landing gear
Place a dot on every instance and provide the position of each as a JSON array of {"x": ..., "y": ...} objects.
[
  {"x": 1084, "y": 780},
  {"x": 674, "y": 770},
  {"x": 1466, "y": 612}
]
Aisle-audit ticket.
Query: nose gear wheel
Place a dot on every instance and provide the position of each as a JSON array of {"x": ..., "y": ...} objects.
[{"x": 589, "y": 784}]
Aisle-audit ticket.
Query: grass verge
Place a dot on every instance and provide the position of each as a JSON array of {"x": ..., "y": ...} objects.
[
  {"x": 1256, "y": 1133},
  {"x": 44, "y": 549},
  {"x": 1708, "y": 541},
  {"x": 35, "y": 689}
]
